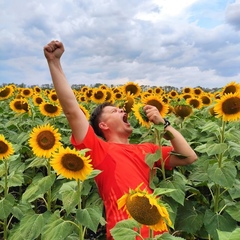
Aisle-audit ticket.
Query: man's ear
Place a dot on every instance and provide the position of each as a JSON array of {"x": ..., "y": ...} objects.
[{"x": 103, "y": 125}]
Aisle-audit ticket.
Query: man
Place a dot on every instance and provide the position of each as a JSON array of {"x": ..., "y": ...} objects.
[{"x": 123, "y": 164}]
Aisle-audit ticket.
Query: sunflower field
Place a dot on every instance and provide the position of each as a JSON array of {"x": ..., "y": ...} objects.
[{"x": 47, "y": 188}]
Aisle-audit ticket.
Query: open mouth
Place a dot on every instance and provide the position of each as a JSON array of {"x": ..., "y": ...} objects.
[{"x": 125, "y": 118}]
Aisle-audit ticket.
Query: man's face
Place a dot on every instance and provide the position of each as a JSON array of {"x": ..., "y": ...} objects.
[{"x": 116, "y": 119}]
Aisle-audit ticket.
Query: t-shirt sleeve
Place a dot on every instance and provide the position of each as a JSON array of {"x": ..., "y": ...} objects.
[{"x": 97, "y": 146}]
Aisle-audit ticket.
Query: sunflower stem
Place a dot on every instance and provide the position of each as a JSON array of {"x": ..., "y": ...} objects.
[
  {"x": 5, "y": 228},
  {"x": 150, "y": 233},
  {"x": 220, "y": 157},
  {"x": 49, "y": 193},
  {"x": 79, "y": 189}
]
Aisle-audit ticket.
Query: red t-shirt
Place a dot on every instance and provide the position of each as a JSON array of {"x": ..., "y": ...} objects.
[{"x": 123, "y": 167}]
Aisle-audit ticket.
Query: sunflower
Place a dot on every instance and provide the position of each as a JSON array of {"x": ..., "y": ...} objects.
[
  {"x": 187, "y": 90},
  {"x": 145, "y": 208},
  {"x": 71, "y": 164},
  {"x": 118, "y": 96},
  {"x": 37, "y": 100},
  {"x": 6, "y": 149},
  {"x": 173, "y": 94},
  {"x": 27, "y": 92},
  {"x": 206, "y": 99},
  {"x": 53, "y": 97},
  {"x": 132, "y": 88},
  {"x": 109, "y": 95},
  {"x": 158, "y": 90},
  {"x": 44, "y": 140},
  {"x": 129, "y": 102},
  {"x": 158, "y": 103},
  {"x": 194, "y": 102},
  {"x": 19, "y": 105},
  {"x": 232, "y": 87},
  {"x": 37, "y": 89},
  {"x": 182, "y": 110},
  {"x": 50, "y": 110},
  {"x": 228, "y": 107},
  {"x": 98, "y": 96},
  {"x": 140, "y": 114},
  {"x": 6, "y": 92},
  {"x": 197, "y": 91}
]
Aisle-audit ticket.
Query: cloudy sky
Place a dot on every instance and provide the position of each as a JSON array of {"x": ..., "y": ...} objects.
[{"x": 176, "y": 43}]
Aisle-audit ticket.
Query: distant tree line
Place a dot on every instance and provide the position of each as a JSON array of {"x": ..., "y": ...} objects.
[{"x": 96, "y": 85}]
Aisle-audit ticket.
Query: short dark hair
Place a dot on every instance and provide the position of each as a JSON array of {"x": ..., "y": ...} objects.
[{"x": 95, "y": 116}]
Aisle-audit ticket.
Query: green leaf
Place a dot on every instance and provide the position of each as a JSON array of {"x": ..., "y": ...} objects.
[
  {"x": 30, "y": 227},
  {"x": 235, "y": 190},
  {"x": 229, "y": 235},
  {"x": 167, "y": 236},
  {"x": 22, "y": 209},
  {"x": 178, "y": 183},
  {"x": 151, "y": 158},
  {"x": 15, "y": 179},
  {"x": 6, "y": 205},
  {"x": 214, "y": 222},
  {"x": 234, "y": 211},
  {"x": 123, "y": 230},
  {"x": 37, "y": 162},
  {"x": 70, "y": 200},
  {"x": 224, "y": 176},
  {"x": 89, "y": 217},
  {"x": 189, "y": 214},
  {"x": 162, "y": 191},
  {"x": 38, "y": 188},
  {"x": 57, "y": 229},
  {"x": 216, "y": 148}
]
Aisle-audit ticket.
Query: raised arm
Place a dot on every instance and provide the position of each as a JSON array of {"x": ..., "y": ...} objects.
[
  {"x": 76, "y": 118},
  {"x": 179, "y": 143}
]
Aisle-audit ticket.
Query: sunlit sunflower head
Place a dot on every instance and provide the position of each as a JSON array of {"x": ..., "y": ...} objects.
[
  {"x": 206, "y": 99},
  {"x": 81, "y": 98},
  {"x": 49, "y": 109},
  {"x": 109, "y": 95},
  {"x": 19, "y": 105},
  {"x": 140, "y": 114},
  {"x": 228, "y": 107},
  {"x": 85, "y": 111},
  {"x": 6, "y": 92},
  {"x": 71, "y": 164},
  {"x": 158, "y": 103},
  {"x": 186, "y": 96},
  {"x": 53, "y": 97},
  {"x": 118, "y": 96},
  {"x": 231, "y": 87},
  {"x": 44, "y": 140},
  {"x": 145, "y": 208},
  {"x": 173, "y": 94},
  {"x": 6, "y": 149},
  {"x": 37, "y": 89},
  {"x": 183, "y": 111},
  {"x": 129, "y": 102},
  {"x": 27, "y": 92},
  {"x": 98, "y": 95},
  {"x": 37, "y": 100},
  {"x": 187, "y": 90},
  {"x": 197, "y": 91},
  {"x": 158, "y": 90},
  {"x": 144, "y": 94},
  {"x": 194, "y": 102},
  {"x": 88, "y": 93},
  {"x": 132, "y": 88}
]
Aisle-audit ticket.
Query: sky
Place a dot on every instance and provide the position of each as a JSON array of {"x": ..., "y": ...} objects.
[{"x": 179, "y": 43}]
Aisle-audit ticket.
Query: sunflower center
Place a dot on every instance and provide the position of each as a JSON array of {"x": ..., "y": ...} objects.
[
  {"x": 183, "y": 110},
  {"x": 230, "y": 89},
  {"x": 50, "y": 108},
  {"x": 195, "y": 103},
  {"x": 72, "y": 162},
  {"x": 142, "y": 211},
  {"x": 5, "y": 92},
  {"x": 132, "y": 89},
  {"x": 231, "y": 105},
  {"x": 46, "y": 140},
  {"x": 99, "y": 95},
  {"x": 155, "y": 103},
  {"x": 3, "y": 147}
]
